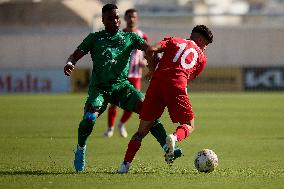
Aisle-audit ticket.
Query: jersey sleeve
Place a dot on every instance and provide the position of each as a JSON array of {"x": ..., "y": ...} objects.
[
  {"x": 87, "y": 43},
  {"x": 199, "y": 68},
  {"x": 166, "y": 42},
  {"x": 136, "y": 40}
]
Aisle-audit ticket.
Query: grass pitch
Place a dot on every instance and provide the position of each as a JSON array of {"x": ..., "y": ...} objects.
[{"x": 38, "y": 134}]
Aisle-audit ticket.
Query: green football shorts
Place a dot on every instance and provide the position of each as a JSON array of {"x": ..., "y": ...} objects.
[{"x": 124, "y": 95}]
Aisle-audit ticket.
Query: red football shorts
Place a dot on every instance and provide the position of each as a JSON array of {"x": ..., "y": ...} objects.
[
  {"x": 136, "y": 82},
  {"x": 160, "y": 95}
]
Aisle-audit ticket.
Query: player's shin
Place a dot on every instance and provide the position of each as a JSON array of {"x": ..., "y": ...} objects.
[
  {"x": 133, "y": 147},
  {"x": 85, "y": 128},
  {"x": 159, "y": 132},
  {"x": 125, "y": 116},
  {"x": 112, "y": 112}
]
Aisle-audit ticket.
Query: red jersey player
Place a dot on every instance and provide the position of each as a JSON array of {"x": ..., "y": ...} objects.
[
  {"x": 182, "y": 61},
  {"x": 134, "y": 75}
]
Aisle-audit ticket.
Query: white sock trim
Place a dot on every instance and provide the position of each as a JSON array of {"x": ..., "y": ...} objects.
[
  {"x": 175, "y": 137},
  {"x": 81, "y": 148}
]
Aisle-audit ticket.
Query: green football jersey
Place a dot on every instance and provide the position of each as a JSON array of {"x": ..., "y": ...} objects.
[{"x": 110, "y": 55}]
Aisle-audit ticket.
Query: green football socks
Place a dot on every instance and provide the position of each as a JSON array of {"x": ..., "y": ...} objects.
[
  {"x": 159, "y": 132},
  {"x": 84, "y": 131}
]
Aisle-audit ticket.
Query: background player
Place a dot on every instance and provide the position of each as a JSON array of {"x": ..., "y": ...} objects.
[
  {"x": 110, "y": 52},
  {"x": 134, "y": 75},
  {"x": 182, "y": 61}
]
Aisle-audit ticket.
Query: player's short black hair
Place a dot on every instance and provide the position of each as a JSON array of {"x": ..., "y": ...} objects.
[
  {"x": 204, "y": 31},
  {"x": 108, "y": 7},
  {"x": 129, "y": 11}
]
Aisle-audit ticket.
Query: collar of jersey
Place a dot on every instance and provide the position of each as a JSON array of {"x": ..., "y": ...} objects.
[
  {"x": 108, "y": 34},
  {"x": 195, "y": 45}
]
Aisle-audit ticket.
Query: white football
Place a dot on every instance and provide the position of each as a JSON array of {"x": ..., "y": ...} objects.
[{"x": 206, "y": 161}]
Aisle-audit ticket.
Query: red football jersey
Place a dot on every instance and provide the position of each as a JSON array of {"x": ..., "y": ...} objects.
[{"x": 181, "y": 62}]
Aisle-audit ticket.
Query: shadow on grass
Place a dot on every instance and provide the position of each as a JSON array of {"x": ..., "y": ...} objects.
[
  {"x": 50, "y": 172},
  {"x": 36, "y": 172},
  {"x": 90, "y": 171}
]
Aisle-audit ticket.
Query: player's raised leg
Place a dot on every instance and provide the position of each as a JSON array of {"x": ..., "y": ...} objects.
[
  {"x": 179, "y": 114},
  {"x": 134, "y": 104},
  {"x": 182, "y": 132}
]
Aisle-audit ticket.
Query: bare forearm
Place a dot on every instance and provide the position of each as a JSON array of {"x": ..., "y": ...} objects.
[
  {"x": 72, "y": 60},
  {"x": 75, "y": 56},
  {"x": 144, "y": 46},
  {"x": 152, "y": 56}
]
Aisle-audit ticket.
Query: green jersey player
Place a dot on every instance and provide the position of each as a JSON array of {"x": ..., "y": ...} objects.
[{"x": 110, "y": 51}]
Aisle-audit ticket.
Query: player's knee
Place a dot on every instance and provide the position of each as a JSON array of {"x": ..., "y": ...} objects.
[
  {"x": 90, "y": 117},
  {"x": 137, "y": 136}
]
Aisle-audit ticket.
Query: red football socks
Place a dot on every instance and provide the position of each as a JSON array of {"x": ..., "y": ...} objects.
[
  {"x": 183, "y": 131},
  {"x": 133, "y": 147},
  {"x": 125, "y": 116},
  {"x": 112, "y": 111}
]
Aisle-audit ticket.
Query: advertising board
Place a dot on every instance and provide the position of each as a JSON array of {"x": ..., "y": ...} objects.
[
  {"x": 263, "y": 78},
  {"x": 33, "y": 81}
]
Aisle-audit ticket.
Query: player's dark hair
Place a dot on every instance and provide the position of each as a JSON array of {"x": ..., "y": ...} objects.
[
  {"x": 108, "y": 7},
  {"x": 204, "y": 31},
  {"x": 129, "y": 11}
]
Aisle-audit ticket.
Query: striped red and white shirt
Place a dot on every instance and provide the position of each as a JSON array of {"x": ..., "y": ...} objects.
[{"x": 136, "y": 58}]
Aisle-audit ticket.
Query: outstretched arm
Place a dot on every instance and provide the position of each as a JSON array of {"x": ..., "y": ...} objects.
[
  {"x": 72, "y": 60},
  {"x": 151, "y": 56}
]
